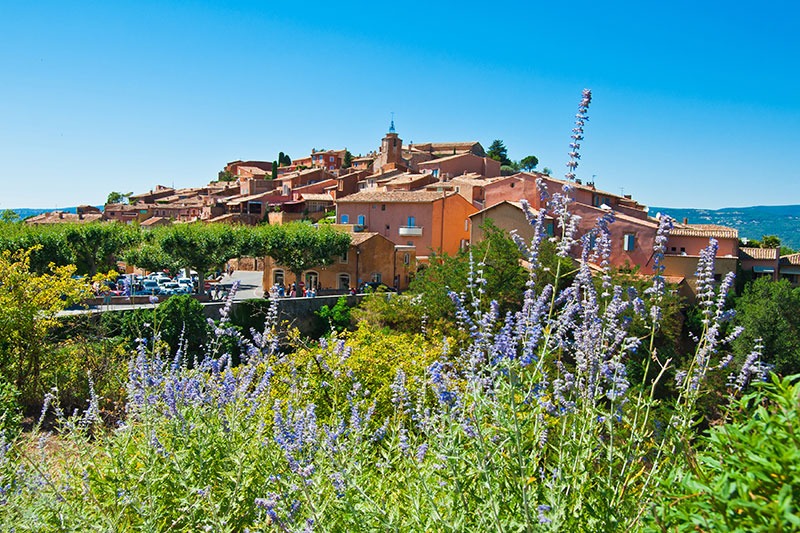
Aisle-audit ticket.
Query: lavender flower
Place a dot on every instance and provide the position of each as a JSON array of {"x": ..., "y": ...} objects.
[{"x": 577, "y": 133}]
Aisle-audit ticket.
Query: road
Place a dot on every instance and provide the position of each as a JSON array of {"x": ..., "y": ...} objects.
[{"x": 249, "y": 288}]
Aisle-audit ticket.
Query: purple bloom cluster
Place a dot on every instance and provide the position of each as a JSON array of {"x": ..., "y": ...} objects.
[{"x": 577, "y": 133}]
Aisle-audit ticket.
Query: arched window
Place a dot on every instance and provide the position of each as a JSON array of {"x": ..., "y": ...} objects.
[{"x": 344, "y": 281}]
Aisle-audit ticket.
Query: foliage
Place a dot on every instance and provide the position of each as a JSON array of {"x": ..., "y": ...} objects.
[
  {"x": 116, "y": 197},
  {"x": 746, "y": 474},
  {"x": 528, "y": 162},
  {"x": 769, "y": 311},
  {"x": 226, "y": 175},
  {"x": 348, "y": 159},
  {"x": 284, "y": 160},
  {"x": 507, "y": 170},
  {"x": 96, "y": 246},
  {"x": 337, "y": 317},
  {"x": 770, "y": 241},
  {"x": 299, "y": 246},
  {"x": 498, "y": 151},
  {"x": 29, "y": 304},
  {"x": 9, "y": 216},
  {"x": 10, "y": 410},
  {"x": 274, "y": 170}
]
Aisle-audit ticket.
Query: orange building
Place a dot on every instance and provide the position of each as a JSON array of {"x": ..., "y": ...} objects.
[
  {"x": 431, "y": 221},
  {"x": 370, "y": 258}
]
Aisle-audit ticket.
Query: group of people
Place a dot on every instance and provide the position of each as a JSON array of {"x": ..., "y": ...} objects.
[{"x": 293, "y": 291}]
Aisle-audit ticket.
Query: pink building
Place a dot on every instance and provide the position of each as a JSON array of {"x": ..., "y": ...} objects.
[{"x": 446, "y": 168}]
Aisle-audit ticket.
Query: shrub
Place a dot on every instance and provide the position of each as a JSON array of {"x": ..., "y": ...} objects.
[{"x": 746, "y": 474}]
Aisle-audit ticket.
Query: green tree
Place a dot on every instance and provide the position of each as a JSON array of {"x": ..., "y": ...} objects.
[
  {"x": 274, "y": 170},
  {"x": 96, "y": 246},
  {"x": 498, "y": 151},
  {"x": 348, "y": 159},
  {"x": 529, "y": 162},
  {"x": 770, "y": 311},
  {"x": 547, "y": 171},
  {"x": 299, "y": 246},
  {"x": 226, "y": 175},
  {"x": 29, "y": 305},
  {"x": 9, "y": 216},
  {"x": 770, "y": 241},
  {"x": 115, "y": 197},
  {"x": 201, "y": 246}
]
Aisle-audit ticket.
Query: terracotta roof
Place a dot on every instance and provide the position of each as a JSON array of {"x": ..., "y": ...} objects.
[
  {"x": 360, "y": 237},
  {"x": 433, "y": 162},
  {"x": 155, "y": 221},
  {"x": 793, "y": 259},
  {"x": 318, "y": 197},
  {"x": 474, "y": 179},
  {"x": 749, "y": 252},
  {"x": 367, "y": 196},
  {"x": 704, "y": 230},
  {"x": 59, "y": 217}
]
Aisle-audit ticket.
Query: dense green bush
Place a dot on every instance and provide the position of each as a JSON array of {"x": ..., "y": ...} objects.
[{"x": 745, "y": 475}]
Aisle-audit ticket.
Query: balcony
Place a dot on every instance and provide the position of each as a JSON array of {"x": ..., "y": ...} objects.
[{"x": 410, "y": 231}]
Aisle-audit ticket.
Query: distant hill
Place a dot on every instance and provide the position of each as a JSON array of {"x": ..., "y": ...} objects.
[
  {"x": 25, "y": 212},
  {"x": 752, "y": 222}
]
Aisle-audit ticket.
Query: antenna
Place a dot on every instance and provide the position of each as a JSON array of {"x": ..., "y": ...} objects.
[{"x": 391, "y": 127}]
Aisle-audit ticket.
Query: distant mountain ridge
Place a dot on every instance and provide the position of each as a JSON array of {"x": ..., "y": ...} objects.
[{"x": 752, "y": 222}]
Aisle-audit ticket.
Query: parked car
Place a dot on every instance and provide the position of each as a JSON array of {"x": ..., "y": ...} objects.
[
  {"x": 149, "y": 286},
  {"x": 173, "y": 287}
]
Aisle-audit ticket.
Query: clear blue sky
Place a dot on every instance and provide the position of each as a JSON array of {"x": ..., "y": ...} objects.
[{"x": 695, "y": 103}]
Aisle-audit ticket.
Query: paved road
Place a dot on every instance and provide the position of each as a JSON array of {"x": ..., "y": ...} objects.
[{"x": 249, "y": 288}]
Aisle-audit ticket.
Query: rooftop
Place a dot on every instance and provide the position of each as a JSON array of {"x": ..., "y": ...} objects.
[{"x": 388, "y": 197}]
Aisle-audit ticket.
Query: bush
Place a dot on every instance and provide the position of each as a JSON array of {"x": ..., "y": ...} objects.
[{"x": 746, "y": 474}]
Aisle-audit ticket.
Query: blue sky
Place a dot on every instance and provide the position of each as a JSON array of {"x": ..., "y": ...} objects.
[{"x": 694, "y": 102}]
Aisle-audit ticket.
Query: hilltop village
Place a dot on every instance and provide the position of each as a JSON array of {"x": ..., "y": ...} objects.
[{"x": 404, "y": 202}]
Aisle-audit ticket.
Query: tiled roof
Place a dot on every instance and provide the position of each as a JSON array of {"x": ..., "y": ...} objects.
[
  {"x": 746, "y": 252},
  {"x": 793, "y": 259},
  {"x": 318, "y": 197},
  {"x": 368, "y": 196},
  {"x": 433, "y": 162},
  {"x": 155, "y": 221},
  {"x": 474, "y": 179},
  {"x": 704, "y": 230},
  {"x": 361, "y": 237},
  {"x": 57, "y": 217}
]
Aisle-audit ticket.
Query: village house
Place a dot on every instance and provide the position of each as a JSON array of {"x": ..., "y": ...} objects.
[
  {"x": 760, "y": 262},
  {"x": 371, "y": 257},
  {"x": 433, "y": 222}
]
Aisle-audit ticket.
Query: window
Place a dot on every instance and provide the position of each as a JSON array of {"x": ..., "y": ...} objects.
[
  {"x": 332, "y": 160},
  {"x": 344, "y": 281},
  {"x": 466, "y": 224},
  {"x": 551, "y": 229},
  {"x": 376, "y": 277},
  {"x": 412, "y": 222},
  {"x": 277, "y": 277},
  {"x": 435, "y": 173},
  {"x": 344, "y": 219},
  {"x": 362, "y": 220},
  {"x": 464, "y": 244},
  {"x": 343, "y": 258},
  {"x": 628, "y": 242},
  {"x": 312, "y": 280},
  {"x": 383, "y": 207},
  {"x": 406, "y": 258}
]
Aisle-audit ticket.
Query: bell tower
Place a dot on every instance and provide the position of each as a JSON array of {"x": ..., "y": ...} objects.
[{"x": 392, "y": 147}]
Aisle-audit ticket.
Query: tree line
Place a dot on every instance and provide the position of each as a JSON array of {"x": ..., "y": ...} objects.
[{"x": 97, "y": 247}]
